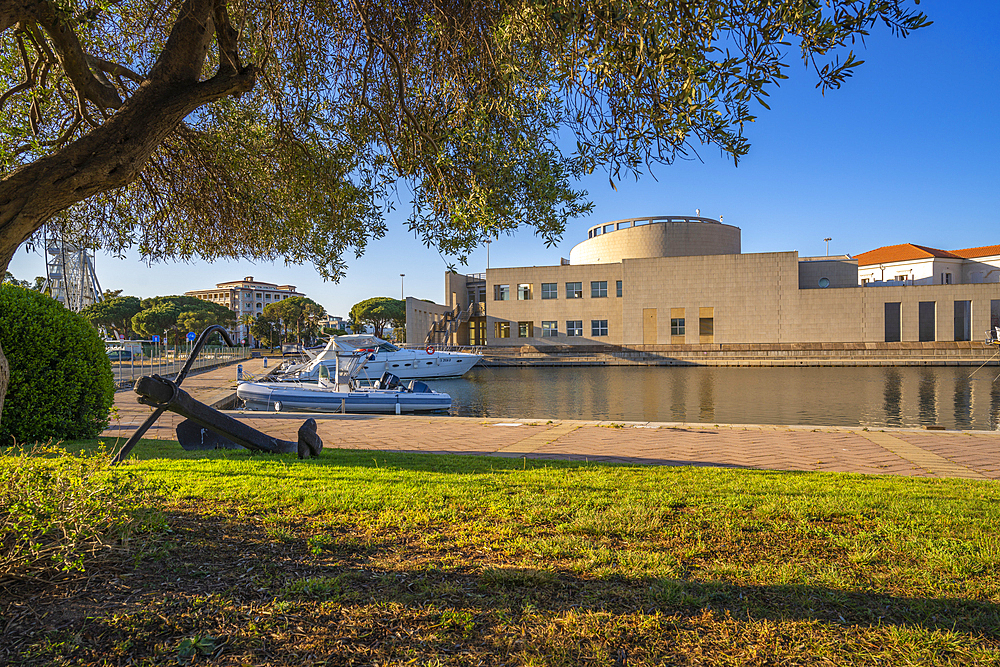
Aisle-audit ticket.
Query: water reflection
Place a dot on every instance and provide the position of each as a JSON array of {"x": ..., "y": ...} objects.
[
  {"x": 706, "y": 399},
  {"x": 962, "y": 402},
  {"x": 678, "y": 389},
  {"x": 917, "y": 396},
  {"x": 892, "y": 398},
  {"x": 994, "y": 421},
  {"x": 927, "y": 397}
]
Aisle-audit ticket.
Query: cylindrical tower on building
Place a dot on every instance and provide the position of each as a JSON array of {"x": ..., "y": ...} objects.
[{"x": 661, "y": 236}]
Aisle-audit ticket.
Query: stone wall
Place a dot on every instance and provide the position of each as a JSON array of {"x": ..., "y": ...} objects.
[{"x": 772, "y": 354}]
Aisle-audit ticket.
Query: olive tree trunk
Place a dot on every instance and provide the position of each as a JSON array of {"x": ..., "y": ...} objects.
[
  {"x": 4, "y": 377},
  {"x": 113, "y": 154}
]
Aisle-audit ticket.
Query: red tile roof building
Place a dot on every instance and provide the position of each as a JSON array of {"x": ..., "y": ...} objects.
[{"x": 911, "y": 264}]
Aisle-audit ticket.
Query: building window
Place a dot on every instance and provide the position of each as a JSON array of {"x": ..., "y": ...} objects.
[
  {"x": 945, "y": 278},
  {"x": 706, "y": 326},
  {"x": 926, "y": 314},
  {"x": 618, "y": 289},
  {"x": 892, "y": 322},
  {"x": 501, "y": 330},
  {"x": 574, "y": 290},
  {"x": 524, "y": 292},
  {"x": 864, "y": 281},
  {"x": 598, "y": 289},
  {"x": 501, "y": 293},
  {"x": 550, "y": 291},
  {"x": 550, "y": 329},
  {"x": 574, "y": 327},
  {"x": 901, "y": 279},
  {"x": 676, "y": 326},
  {"x": 963, "y": 320},
  {"x": 598, "y": 328},
  {"x": 525, "y": 329}
]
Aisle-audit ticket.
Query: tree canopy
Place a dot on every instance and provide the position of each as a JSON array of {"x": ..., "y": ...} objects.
[
  {"x": 267, "y": 329},
  {"x": 299, "y": 314},
  {"x": 378, "y": 313},
  {"x": 179, "y": 315},
  {"x": 167, "y": 118},
  {"x": 10, "y": 278},
  {"x": 114, "y": 314},
  {"x": 275, "y": 130}
]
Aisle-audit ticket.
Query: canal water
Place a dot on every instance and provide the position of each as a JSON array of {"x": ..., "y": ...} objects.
[{"x": 955, "y": 397}]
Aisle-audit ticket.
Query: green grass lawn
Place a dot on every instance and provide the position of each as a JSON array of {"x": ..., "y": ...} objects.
[{"x": 378, "y": 558}]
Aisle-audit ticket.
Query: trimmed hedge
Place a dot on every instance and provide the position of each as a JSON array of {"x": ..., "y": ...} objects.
[{"x": 61, "y": 384}]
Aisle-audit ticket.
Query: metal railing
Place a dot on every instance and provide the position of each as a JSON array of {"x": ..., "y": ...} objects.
[
  {"x": 615, "y": 225},
  {"x": 442, "y": 330},
  {"x": 168, "y": 361}
]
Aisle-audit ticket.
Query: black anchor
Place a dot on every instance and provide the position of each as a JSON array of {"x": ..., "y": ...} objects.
[{"x": 206, "y": 427}]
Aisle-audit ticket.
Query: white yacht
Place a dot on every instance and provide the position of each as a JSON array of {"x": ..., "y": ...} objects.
[
  {"x": 335, "y": 390},
  {"x": 405, "y": 363}
]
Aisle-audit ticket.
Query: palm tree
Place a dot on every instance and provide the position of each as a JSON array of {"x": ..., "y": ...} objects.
[{"x": 247, "y": 320}]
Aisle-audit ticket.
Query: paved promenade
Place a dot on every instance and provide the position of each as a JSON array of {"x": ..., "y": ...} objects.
[{"x": 913, "y": 452}]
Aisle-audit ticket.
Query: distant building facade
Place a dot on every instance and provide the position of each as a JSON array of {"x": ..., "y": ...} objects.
[
  {"x": 332, "y": 322},
  {"x": 910, "y": 264},
  {"x": 246, "y": 297},
  {"x": 681, "y": 280}
]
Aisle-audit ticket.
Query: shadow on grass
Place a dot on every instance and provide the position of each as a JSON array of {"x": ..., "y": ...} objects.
[
  {"x": 247, "y": 581},
  {"x": 423, "y": 461},
  {"x": 340, "y": 575}
]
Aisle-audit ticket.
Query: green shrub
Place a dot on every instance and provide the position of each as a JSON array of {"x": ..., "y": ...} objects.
[
  {"x": 61, "y": 385},
  {"x": 58, "y": 512}
]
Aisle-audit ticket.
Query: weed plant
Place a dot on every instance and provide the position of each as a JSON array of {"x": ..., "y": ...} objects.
[{"x": 58, "y": 512}]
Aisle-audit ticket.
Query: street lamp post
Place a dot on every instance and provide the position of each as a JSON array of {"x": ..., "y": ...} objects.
[
  {"x": 401, "y": 290},
  {"x": 828, "y": 239}
]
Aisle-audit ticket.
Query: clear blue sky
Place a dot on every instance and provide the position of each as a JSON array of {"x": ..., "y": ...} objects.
[{"x": 905, "y": 152}]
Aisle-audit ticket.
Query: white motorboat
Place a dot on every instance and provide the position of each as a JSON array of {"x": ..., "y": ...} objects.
[
  {"x": 339, "y": 391},
  {"x": 405, "y": 363}
]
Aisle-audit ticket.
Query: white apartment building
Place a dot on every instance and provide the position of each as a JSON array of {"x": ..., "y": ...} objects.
[{"x": 246, "y": 297}]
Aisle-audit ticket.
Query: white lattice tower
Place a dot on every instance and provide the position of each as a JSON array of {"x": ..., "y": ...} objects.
[{"x": 69, "y": 272}]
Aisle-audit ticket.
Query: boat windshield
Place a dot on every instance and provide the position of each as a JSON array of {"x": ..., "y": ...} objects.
[{"x": 388, "y": 347}]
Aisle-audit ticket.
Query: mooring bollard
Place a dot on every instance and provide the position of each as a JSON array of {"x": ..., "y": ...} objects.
[{"x": 239, "y": 371}]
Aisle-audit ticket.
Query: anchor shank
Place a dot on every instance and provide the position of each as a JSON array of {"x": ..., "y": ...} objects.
[{"x": 162, "y": 392}]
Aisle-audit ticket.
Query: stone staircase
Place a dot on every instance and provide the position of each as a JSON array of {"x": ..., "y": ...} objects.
[{"x": 442, "y": 330}]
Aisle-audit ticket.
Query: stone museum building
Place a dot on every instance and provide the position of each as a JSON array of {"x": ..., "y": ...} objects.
[{"x": 681, "y": 280}]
